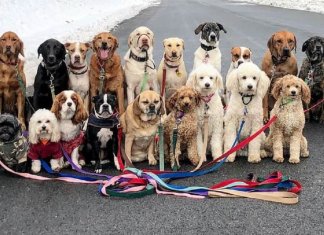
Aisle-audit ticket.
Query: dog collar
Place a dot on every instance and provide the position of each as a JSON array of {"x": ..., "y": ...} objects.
[
  {"x": 51, "y": 68},
  {"x": 78, "y": 68},
  {"x": 207, "y": 98},
  {"x": 166, "y": 59},
  {"x": 277, "y": 61},
  {"x": 9, "y": 63},
  {"x": 243, "y": 96},
  {"x": 110, "y": 122},
  {"x": 137, "y": 58},
  {"x": 207, "y": 48}
]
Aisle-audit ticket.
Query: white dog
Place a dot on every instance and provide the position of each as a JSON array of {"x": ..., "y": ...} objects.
[
  {"x": 208, "y": 81},
  {"x": 248, "y": 85},
  {"x": 139, "y": 67}
]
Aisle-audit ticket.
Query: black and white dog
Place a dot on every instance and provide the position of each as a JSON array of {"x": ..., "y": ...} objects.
[
  {"x": 52, "y": 70},
  {"x": 208, "y": 52},
  {"x": 102, "y": 131},
  {"x": 312, "y": 72}
]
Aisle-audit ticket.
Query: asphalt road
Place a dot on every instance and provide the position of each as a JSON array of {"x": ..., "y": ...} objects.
[{"x": 30, "y": 207}]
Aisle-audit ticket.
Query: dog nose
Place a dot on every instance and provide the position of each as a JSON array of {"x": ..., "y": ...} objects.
[
  {"x": 212, "y": 37},
  {"x": 286, "y": 51},
  {"x": 51, "y": 58},
  {"x": 8, "y": 48},
  {"x": 69, "y": 104},
  {"x": 43, "y": 127},
  {"x": 318, "y": 48},
  {"x": 105, "y": 106},
  {"x": 293, "y": 92},
  {"x": 249, "y": 87},
  {"x": 239, "y": 62},
  {"x": 144, "y": 41},
  {"x": 174, "y": 54},
  {"x": 104, "y": 45},
  {"x": 77, "y": 57},
  {"x": 207, "y": 85},
  {"x": 152, "y": 106}
]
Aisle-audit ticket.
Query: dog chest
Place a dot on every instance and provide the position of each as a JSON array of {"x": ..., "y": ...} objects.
[{"x": 104, "y": 135}]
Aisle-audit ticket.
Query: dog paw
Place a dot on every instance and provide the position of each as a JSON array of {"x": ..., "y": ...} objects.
[
  {"x": 82, "y": 162},
  {"x": 305, "y": 154},
  {"x": 278, "y": 159},
  {"x": 66, "y": 164},
  {"x": 98, "y": 168},
  {"x": 152, "y": 162},
  {"x": 36, "y": 166},
  {"x": 294, "y": 160},
  {"x": 230, "y": 159}
]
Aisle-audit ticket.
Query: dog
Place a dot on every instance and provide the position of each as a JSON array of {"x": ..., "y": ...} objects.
[
  {"x": 44, "y": 137},
  {"x": 52, "y": 75},
  {"x": 312, "y": 72},
  {"x": 101, "y": 134},
  {"x": 139, "y": 67},
  {"x": 106, "y": 74},
  {"x": 208, "y": 52},
  {"x": 69, "y": 110},
  {"x": 287, "y": 131},
  {"x": 79, "y": 70},
  {"x": 248, "y": 85},
  {"x": 12, "y": 96},
  {"x": 13, "y": 145},
  {"x": 207, "y": 81},
  {"x": 183, "y": 116},
  {"x": 139, "y": 123},
  {"x": 173, "y": 63},
  {"x": 278, "y": 61}
]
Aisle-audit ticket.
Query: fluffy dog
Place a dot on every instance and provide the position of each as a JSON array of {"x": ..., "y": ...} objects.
[
  {"x": 183, "y": 116},
  {"x": 208, "y": 82},
  {"x": 173, "y": 63},
  {"x": 106, "y": 73},
  {"x": 69, "y": 110},
  {"x": 248, "y": 85},
  {"x": 13, "y": 145},
  {"x": 287, "y": 130},
  {"x": 78, "y": 70},
  {"x": 278, "y": 61},
  {"x": 312, "y": 71},
  {"x": 138, "y": 62},
  {"x": 208, "y": 52},
  {"x": 12, "y": 98},
  {"x": 44, "y": 137},
  {"x": 140, "y": 122},
  {"x": 101, "y": 135}
]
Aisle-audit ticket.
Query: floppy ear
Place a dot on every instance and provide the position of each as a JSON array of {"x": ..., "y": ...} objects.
[
  {"x": 87, "y": 44},
  {"x": 276, "y": 90},
  {"x": 32, "y": 136},
  {"x": 136, "y": 109},
  {"x": 221, "y": 27},
  {"x": 183, "y": 47},
  {"x": 56, "y": 134},
  {"x": 232, "y": 81},
  {"x": 263, "y": 84},
  {"x": 62, "y": 52},
  {"x": 116, "y": 43},
  {"x": 305, "y": 45},
  {"x": 306, "y": 94},
  {"x": 93, "y": 46},
  {"x": 162, "y": 107},
  {"x": 164, "y": 41},
  {"x": 67, "y": 45},
  {"x": 197, "y": 97},
  {"x": 21, "y": 47},
  {"x": 56, "y": 107},
  {"x": 172, "y": 101},
  {"x": 219, "y": 82},
  {"x": 81, "y": 113},
  {"x": 129, "y": 41},
  {"x": 40, "y": 49},
  {"x": 191, "y": 81},
  {"x": 295, "y": 43},
  {"x": 199, "y": 28},
  {"x": 270, "y": 43}
]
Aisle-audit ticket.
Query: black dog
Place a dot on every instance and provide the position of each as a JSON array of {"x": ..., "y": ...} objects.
[
  {"x": 101, "y": 134},
  {"x": 312, "y": 72},
  {"x": 13, "y": 145},
  {"x": 209, "y": 33},
  {"x": 53, "y": 68}
]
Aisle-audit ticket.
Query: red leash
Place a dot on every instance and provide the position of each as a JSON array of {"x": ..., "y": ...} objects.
[{"x": 163, "y": 82}]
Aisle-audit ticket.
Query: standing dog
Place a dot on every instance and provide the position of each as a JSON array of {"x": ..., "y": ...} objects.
[
  {"x": 12, "y": 96},
  {"x": 208, "y": 52},
  {"x": 52, "y": 75},
  {"x": 106, "y": 73},
  {"x": 140, "y": 69}
]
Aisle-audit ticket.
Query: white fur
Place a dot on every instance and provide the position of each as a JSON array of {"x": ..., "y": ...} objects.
[
  {"x": 104, "y": 135},
  {"x": 215, "y": 57}
]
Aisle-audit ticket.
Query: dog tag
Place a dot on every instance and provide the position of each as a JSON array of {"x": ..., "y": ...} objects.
[
  {"x": 178, "y": 73},
  {"x": 205, "y": 60},
  {"x": 102, "y": 74}
]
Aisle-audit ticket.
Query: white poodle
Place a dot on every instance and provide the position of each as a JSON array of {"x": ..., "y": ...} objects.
[
  {"x": 208, "y": 82},
  {"x": 248, "y": 85},
  {"x": 44, "y": 137}
]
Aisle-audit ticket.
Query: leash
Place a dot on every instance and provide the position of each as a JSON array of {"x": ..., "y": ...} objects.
[
  {"x": 178, "y": 118},
  {"x": 161, "y": 145},
  {"x": 163, "y": 82}
]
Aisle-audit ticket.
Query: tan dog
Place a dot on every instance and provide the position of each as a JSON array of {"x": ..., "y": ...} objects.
[
  {"x": 278, "y": 61},
  {"x": 175, "y": 69},
  {"x": 105, "y": 68},
  {"x": 12, "y": 98},
  {"x": 140, "y": 122}
]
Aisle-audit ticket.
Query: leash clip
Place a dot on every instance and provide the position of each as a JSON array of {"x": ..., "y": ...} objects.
[{"x": 102, "y": 74}]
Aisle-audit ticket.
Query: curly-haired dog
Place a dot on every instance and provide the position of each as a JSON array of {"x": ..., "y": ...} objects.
[
  {"x": 248, "y": 85},
  {"x": 44, "y": 137},
  {"x": 287, "y": 131},
  {"x": 312, "y": 72},
  {"x": 208, "y": 82},
  {"x": 183, "y": 116}
]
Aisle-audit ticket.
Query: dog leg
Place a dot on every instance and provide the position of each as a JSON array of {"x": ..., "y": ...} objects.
[
  {"x": 304, "y": 147},
  {"x": 216, "y": 142},
  {"x": 277, "y": 146},
  {"x": 21, "y": 109},
  {"x": 255, "y": 146},
  {"x": 75, "y": 157},
  {"x": 229, "y": 137},
  {"x": 36, "y": 166},
  {"x": 130, "y": 94},
  {"x": 151, "y": 158},
  {"x": 128, "y": 146},
  {"x": 192, "y": 151},
  {"x": 200, "y": 145},
  {"x": 295, "y": 141},
  {"x": 56, "y": 164},
  {"x": 265, "y": 105},
  {"x": 121, "y": 99}
]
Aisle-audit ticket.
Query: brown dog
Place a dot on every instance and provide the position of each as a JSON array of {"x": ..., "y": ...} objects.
[
  {"x": 105, "y": 69},
  {"x": 12, "y": 98},
  {"x": 278, "y": 61}
]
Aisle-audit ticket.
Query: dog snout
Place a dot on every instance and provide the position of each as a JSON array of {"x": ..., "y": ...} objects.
[
  {"x": 51, "y": 58},
  {"x": 318, "y": 47},
  {"x": 105, "y": 106},
  {"x": 104, "y": 45},
  {"x": 293, "y": 92},
  {"x": 207, "y": 85},
  {"x": 213, "y": 37},
  {"x": 250, "y": 87},
  {"x": 8, "y": 48},
  {"x": 77, "y": 57},
  {"x": 69, "y": 104},
  {"x": 286, "y": 51},
  {"x": 152, "y": 107},
  {"x": 239, "y": 62},
  {"x": 43, "y": 128},
  {"x": 174, "y": 54},
  {"x": 144, "y": 40}
]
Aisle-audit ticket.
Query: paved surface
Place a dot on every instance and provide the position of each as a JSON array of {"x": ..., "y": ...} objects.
[{"x": 31, "y": 207}]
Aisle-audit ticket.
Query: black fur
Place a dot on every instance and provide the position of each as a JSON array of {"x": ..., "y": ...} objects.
[
  {"x": 207, "y": 29},
  {"x": 314, "y": 49}
]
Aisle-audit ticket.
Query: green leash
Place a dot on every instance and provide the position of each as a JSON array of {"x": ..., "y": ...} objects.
[{"x": 144, "y": 81}]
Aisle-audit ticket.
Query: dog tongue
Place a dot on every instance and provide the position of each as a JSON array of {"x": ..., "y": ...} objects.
[{"x": 104, "y": 54}]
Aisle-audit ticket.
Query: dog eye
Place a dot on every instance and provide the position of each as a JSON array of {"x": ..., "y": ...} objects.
[
  {"x": 82, "y": 50},
  {"x": 169, "y": 45},
  {"x": 138, "y": 34},
  {"x": 279, "y": 41},
  {"x": 73, "y": 50},
  {"x": 178, "y": 45},
  {"x": 254, "y": 78},
  {"x": 190, "y": 97},
  {"x": 181, "y": 97},
  {"x": 47, "y": 121},
  {"x": 290, "y": 41},
  {"x": 145, "y": 102},
  {"x": 288, "y": 86},
  {"x": 245, "y": 56},
  {"x": 201, "y": 78},
  {"x": 297, "y": 86},
  {"x": 211, "y": 78},
  {"x": 3, "y": 39},
  {"x": 39, "y": 121},
  {"x": 99, "y": 38},
  {"x": 156, "y": 102},
  {"x": 14, "y": 39},
  {"x": 244, "y": 77},
  {"x": 148, "y": 33}
]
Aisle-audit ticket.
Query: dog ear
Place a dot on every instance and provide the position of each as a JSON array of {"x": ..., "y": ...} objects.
[
  {"x": 56, "y": 107},
  {"x": 305, "y": 45},
  {"x": 232, "y": 81},
  {"x": 162, "y": 107},
  {"x": 136, "y": 109},
  {"x": 183, "y": 47},
  {"x": 129, "y": 41},
  {"x": 56, "y": 132},
  {"x": 32, "y": 136},
  {"x": 172, "y": 101},
  {"x": 67, "y": 45},
  {"x": 263, "y": 84},
  {"x": 199, "y": 28},
  {"x": 21, "y": 47},
  {"x": 197, "y": 97},
  {"x": 40, "y": 49},
  {"x": 221, "y": 27},
  {"x": 191, "y": 81},
  {"x": 270, "y": 43},
  {"x": 81, "y": 114},
  {"x": 306, "y": 94},
  {"x": 295, "y": 45},
  {"x": 277, "y": 87},
  {"x": 164, "y": 41},
  {"x": 62, "y": 51},
  {"x": 116, "y": 43},
  {"x": 219, "y": 82}
]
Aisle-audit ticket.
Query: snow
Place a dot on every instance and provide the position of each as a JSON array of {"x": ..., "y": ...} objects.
[
  {"x": 305, "y": 5},
  {"x": 65, "y": 20}
]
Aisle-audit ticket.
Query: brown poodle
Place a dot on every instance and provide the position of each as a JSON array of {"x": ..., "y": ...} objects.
[
  {"x": 287, "y": 131},
  {"x": 183, "y": 116}
]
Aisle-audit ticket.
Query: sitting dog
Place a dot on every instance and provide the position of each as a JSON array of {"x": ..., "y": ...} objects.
[
  {"x": 78, "y": 70},
  {"x": 106, "y": 73},
  {"x": 140, "y": 122},
  {"x": 278, "y": 61},
  {"x": 139, "y": 67},
  {"x": 208, "y": 82},
  {"x": 312, "y": 72},
  {"x": 287, "y": 131},
  {"x": 248, "y": 85},
  {"x": 12, "y": 96},
  {"x": 44, "y": 137},
  {"x": 69, "y": 110},
  {"x": 173, "y": 63},
  {"x": 13, "y": 145},
  {"x": 101, "y": 135},
  {"x": 183, "y": 116},
  {"x": 208, "y": 52},
  {"x": 52, "y": 75}
]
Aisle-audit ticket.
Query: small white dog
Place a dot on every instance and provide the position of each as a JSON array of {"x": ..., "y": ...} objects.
[
  {"x": 139, "y": 67},
  {"x": 248, "y": 85},
  {"x": 44, "y": 137},
  {"x": 208, "y": 81}
]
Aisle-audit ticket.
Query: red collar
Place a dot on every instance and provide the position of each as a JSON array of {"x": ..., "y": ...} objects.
[
  {"x": 14, "y": 64},
  {"x": 207, "y": 98},
  {"x": 76, "y": 68}
]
